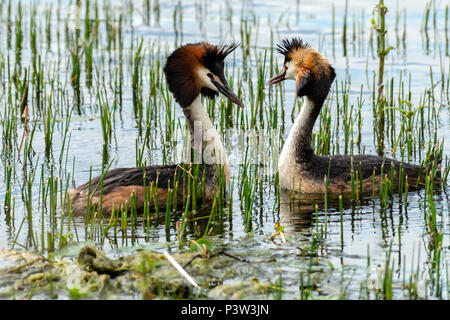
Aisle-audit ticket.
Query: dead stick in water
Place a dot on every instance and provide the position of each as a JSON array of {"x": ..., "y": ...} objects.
[{"x": 180, "y": 269}]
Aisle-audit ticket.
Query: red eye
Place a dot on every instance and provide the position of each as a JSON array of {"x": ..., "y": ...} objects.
[{"x": 285, "y": 67}]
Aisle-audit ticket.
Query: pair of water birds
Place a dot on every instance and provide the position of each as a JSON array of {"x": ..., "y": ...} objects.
[{"x": 196, "y": 70}]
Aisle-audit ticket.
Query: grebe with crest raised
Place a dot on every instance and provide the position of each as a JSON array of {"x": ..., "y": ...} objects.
[
  {"x": 300, "y": 169},
  {"x": 191, "y": 71}
]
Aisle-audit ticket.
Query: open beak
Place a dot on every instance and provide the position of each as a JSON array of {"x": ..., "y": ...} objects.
[
  {"x": 278, "y": 78},
  {"x": 227, "y": 92}
]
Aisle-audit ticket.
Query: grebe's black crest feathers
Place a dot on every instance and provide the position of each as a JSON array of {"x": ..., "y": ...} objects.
[
  {"x": 288, "y": 45},
  {"x": 227, "y": 49},
  {"x": 217, "y": 53}
]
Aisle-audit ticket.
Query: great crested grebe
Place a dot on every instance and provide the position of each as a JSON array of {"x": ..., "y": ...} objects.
[
  {"x": 191, "y": 71},
  {"x": 298, "y": 166}
]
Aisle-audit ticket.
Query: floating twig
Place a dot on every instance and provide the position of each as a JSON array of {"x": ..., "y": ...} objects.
[{"x": 180, "y": 269}]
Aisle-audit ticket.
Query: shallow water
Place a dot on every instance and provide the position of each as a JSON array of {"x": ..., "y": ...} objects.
[{"x": 353, "y": 246}]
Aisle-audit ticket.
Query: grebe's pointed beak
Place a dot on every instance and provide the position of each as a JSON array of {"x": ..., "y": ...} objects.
[
  {"x": 225, "y": 89},
  {"x": 278, "y": 78}
]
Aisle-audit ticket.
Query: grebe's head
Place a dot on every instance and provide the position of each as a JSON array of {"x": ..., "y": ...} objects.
[
  {"x": 310, "y": 70},
  {"x": 197, "y": 68}
]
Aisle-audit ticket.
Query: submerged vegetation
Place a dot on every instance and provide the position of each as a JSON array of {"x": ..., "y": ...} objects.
[{"x": 83, "y": 91}]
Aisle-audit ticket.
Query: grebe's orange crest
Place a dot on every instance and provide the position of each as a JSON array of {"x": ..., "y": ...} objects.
[{"x": 311, "y": 71}]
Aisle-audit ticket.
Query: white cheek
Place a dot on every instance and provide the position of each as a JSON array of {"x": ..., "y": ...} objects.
[
  {"x": 290, "y": 74},
  {"x": 205, "y": 81}
]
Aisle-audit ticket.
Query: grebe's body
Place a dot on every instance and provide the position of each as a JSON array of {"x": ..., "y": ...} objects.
[
  {"x": 191, "y": 71},
  {"x": 300, "y": 169},
  {"x": 120, "y": 185}
]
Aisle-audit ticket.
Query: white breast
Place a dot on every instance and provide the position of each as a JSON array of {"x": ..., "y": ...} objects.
[
  {"x": 288, "y": 169},
  {"x": 207, "y": 138}
]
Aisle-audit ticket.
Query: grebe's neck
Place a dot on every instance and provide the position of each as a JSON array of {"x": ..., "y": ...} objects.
[
  {"x": 298, "y": 148},
  {"x": 205, "y": 140}
]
